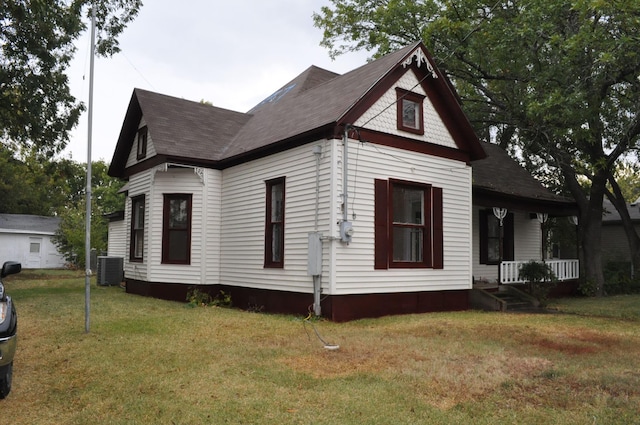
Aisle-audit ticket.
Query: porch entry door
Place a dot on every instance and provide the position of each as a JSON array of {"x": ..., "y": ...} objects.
[{"x": 34, "y": 258}]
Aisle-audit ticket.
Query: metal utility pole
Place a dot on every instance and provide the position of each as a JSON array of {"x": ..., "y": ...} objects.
[{"x": 87, "y": 245}]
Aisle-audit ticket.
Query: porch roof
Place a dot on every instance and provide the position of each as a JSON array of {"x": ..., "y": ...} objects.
[{"x": 499, "y": 181}]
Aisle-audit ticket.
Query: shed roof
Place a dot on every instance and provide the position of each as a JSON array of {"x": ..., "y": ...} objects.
[{"x": 23, "y": 223}]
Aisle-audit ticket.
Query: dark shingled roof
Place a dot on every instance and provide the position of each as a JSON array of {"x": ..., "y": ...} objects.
[
  {"x": 311, "y": 105},
  {"x": 500, "y": 177},
  {"x": 29, "y": 223},
  {"x": 610, "y": 214},
  {"x": 319, "y": 105},
  {"x": 183, "y": 128}
]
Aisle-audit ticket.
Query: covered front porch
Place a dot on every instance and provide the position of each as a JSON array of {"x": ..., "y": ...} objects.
[
  {"x": 511, "y": 292},
  {"x": 563, "y": 270},
  {"x": 514, "y": 217}
]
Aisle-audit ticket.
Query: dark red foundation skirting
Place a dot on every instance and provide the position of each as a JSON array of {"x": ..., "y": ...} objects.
[{"x": 339, "y": 308}]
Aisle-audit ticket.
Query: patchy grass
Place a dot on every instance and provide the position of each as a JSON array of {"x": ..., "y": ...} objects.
[
  {"x": 618, "y": 306},
  {"x": 152, "y": 361}
]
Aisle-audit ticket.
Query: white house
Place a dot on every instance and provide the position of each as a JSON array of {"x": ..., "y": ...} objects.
[
  {"x": 347, "y": 194},
  {"x": 27, "y": 240}
]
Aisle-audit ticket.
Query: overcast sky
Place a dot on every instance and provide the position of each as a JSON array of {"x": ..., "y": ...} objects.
[{"x": 230, "y": 53}]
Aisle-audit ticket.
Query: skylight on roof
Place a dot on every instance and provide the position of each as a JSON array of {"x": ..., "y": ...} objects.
[{"x": 279, "y": 94}]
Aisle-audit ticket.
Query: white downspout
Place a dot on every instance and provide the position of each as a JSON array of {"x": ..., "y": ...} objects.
[
  {"x": 346, "y": 228},
  {"x": 317, "y": 276}
]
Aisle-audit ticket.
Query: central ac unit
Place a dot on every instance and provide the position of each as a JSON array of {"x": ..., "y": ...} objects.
[{"x": 110, "y": 270}]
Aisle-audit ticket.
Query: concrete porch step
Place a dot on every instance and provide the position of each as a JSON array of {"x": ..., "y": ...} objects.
[{"x": 515, "y": 303}]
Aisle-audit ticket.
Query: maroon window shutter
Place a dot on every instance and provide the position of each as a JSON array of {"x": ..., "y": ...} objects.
[
  {"x": 507, "y": 244},
  {"x": 381, "y": 222},
  {"x": 484, "y": 256},
  {"x": 438, "y": 233}
]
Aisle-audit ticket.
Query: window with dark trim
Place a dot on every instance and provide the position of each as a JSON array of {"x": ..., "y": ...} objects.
[
  {"x": 142, "y": 143},
  {"x": 408, "y": 225},
  {"x": 496, "y": 243},
  {"x": 136, "y": 248},
  {"x": 176, "y": 229},
  {"x": 274, "y": 223},
  {"x": 409, "y": 110}
]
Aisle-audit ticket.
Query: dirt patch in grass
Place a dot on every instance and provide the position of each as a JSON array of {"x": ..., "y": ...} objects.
[
  {"x": 439, "y": 377},
  {"x": 577, "y": 342}
]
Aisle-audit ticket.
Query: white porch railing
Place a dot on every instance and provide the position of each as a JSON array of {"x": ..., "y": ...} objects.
[{"x": 562, "y": 269}]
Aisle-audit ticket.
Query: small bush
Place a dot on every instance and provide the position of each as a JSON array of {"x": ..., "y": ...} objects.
[
  {"x": 589, "y": 288},
  {"x": 540, "y": 278},
  {"x": 618, "y": 280},
  {"x": 198, "y": 298}
]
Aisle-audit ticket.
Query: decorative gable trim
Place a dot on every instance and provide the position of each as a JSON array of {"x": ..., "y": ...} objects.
[
  {"x": 421, "y": 58},
  {"x": 164, "y": 167}
]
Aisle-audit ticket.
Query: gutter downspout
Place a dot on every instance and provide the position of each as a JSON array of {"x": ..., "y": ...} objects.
[
  {"x": 346, "y": 227},
  {"x": 315, "y": 242}
]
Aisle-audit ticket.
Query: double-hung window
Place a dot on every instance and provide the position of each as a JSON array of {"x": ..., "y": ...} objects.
[
  {"x": 274, "y": 223},
  {"x": 408, "y": 225},
  {"x": 136, "y": 248},
  {"x": 409, "y": 111},
  {"x": 176, "y": 229}
]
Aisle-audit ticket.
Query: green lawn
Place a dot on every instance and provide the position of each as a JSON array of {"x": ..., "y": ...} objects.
[{"x": 149, "y": 361}]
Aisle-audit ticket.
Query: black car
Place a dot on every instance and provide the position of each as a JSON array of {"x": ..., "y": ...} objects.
[{"x": 8, "y": 330}]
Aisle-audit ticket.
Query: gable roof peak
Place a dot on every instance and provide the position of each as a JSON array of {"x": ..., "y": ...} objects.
[{"x": 421, "y": 58}]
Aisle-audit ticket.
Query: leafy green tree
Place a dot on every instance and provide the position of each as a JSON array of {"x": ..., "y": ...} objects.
[
  {"x": 558, "y": 79},
  {"x": 31, "y": 186},
  {"x": 70, "y": 237},
  {"x": 627, "y": 174},
  {"x": 37, "y": 110}
]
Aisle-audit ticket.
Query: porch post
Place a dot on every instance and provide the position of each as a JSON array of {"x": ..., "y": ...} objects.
[
  {"x": 500, "y": 214},
  {"x": 542, "y": 219}
]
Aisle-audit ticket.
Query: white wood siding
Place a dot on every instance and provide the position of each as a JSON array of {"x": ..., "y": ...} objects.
[
  {"x": 243, "y": 218},
  {"x": 139, "y": 184},
  {"x": 382, "y": 116},
  {"x": 133, "y": 153},
  {"x": 527, "y": 235},
  {"x": 355, "y": 262},
  {"x": 204, "y": 186},
  {"x": 182, "y": 181},
  {"x": 212, "y": 211},
  {"x": 117, "y": 241}
]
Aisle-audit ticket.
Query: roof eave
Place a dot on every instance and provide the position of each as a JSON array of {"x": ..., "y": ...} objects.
[{"x": 489, "y": 198}]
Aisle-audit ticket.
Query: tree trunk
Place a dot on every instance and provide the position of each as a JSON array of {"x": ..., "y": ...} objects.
[
  {"x": 593, "y": 234},
  {"x": 590, "y": 227}
]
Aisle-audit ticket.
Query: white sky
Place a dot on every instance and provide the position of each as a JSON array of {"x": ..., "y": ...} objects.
[{"x": 230, "y": 53}]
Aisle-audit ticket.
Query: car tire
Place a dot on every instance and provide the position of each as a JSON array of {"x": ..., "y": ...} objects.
[{"x": 6, "y": 373}]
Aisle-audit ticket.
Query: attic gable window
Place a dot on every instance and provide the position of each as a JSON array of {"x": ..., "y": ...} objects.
[
  {"x": 142, "y": 143},
  {"x": 409, "y": 107}
]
